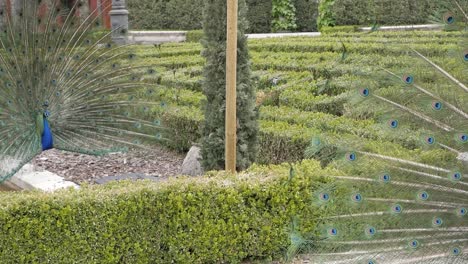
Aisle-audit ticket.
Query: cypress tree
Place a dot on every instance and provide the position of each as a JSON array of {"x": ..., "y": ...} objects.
[{"x": 214, "y": 87}]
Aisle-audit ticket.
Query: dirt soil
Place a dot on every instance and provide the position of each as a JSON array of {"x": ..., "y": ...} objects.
[{"x": 79, "y": 168}]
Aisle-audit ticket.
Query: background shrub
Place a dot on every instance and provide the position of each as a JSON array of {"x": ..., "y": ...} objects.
[
  {"x": 356, "y": 12},
  {"x": 326, "y": 18},
  {"x": 382, "y": 12},
  {"x": 284, "y": 16},
  {"x": 259, "y": 15},
  {"x": 163, "y": 14},
  {"x": 306, "y": 15}
]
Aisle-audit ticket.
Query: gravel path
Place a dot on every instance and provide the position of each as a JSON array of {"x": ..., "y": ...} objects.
[{"x": 79, "y": 168}]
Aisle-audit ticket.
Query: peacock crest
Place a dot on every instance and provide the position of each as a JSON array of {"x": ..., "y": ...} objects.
[{"x": 64, "y": 85}]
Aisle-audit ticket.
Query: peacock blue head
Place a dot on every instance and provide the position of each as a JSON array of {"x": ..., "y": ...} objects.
[{"x": 46, "y": 114}]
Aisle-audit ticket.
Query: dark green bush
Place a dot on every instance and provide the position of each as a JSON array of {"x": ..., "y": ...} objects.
[
  {"x": 403, "y": 11},
  {"x": 214, "y": 219},
  {"x": 306, "y": 15},
  {"x": 162, "y": 14},
  {"x": 382, "y": 12},
  {"x": 356, "y": 12},
  {"x": 259, "y": 16}
]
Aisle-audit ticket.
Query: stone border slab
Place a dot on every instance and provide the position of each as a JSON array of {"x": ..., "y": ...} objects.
[
  {"x": 403, "y": 28},
  {"x": 156, "y": 37},
  {"x": 30, "y": 179},
  {"x": 284, "y": 35}
]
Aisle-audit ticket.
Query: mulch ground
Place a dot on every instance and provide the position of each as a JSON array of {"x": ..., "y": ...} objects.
[{"x": 79, "y": 168}]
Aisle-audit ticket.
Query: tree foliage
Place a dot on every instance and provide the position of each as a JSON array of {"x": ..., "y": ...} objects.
[
  {"x": 214, "y": 85},
  {"x": 284, "y": 16}
]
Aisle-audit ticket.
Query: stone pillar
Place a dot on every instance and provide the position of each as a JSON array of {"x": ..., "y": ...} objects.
[{"x": 119, "y": 21}]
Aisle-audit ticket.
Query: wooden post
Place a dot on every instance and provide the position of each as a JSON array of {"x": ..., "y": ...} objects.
[{"x": 231, "y": 77}]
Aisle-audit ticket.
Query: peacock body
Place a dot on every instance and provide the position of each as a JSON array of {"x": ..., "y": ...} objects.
[
  {"x": 399, "y": 205},
  {"x": 64, "y": 85}
]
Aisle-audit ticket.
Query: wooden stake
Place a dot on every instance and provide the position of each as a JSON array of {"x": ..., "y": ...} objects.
[{"x": 231, "y": 77}]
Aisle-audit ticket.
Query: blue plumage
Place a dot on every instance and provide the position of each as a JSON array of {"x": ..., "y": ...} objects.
[{"x": 47, "y": 139}]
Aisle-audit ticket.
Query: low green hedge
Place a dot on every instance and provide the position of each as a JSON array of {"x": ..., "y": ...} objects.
[
  {"x": 283, "y": 140},
  {"x": 215, "y": 219},
  {"x": 278, "y": 141},
  {"x": 340, "y": 29},
  {"x": 183, "y": 127}
]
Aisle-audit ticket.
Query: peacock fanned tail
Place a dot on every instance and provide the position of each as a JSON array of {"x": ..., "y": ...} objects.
[
  {"x": 394, "y": 204},
  {"x": 64, "y": 85}
]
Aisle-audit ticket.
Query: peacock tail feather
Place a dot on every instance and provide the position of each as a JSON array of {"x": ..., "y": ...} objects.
[
  {"x": 395, "y": 204},
  {"x": 63, "y": 84}
]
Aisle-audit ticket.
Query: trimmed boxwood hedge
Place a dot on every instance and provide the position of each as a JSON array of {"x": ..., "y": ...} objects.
[
  {"x": 215, "y": 219},
  {"x": 281, "y": 140}
]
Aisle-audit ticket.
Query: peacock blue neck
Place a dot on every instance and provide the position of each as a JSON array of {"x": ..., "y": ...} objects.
[{"x": 47, "y": 139}]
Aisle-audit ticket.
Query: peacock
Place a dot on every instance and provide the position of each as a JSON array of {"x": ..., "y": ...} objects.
[
  {"x": 394, "y": 204},
  {"x": 65, "y": 85}
]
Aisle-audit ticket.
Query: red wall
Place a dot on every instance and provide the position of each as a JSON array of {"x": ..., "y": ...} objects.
[{"x": 106, "y": 7}]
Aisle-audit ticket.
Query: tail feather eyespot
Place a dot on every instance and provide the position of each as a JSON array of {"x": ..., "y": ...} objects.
[
  {"x": 463, "y": 138},
  {"x": 364, "y": 92},
  {"x": 351, "y": 156},
  {"x": 430, "y": 140},
  {"x": 370, "y": 231},
  {"x": 437, "y": 221},
  {"x": 461, "y": 211},
  {"x": 449, "y": 18},
  {"x": 324, "y": 197},
  {"x": 414, "y": 243},
  {"x": 437, "y": 106},
  {"x": 455, "y": 251},
  {"x": 397, "y": 208},
  {"x": 356, "y": 197},
  {"x": 423, "y": 196},
  {"x": 393, "y": 123},
  {"x": 333, "y": 232},
  {"x": 408, "y": 79}
]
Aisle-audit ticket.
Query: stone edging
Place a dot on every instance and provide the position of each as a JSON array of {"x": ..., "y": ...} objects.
[{"x": 29, "y": 179}]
